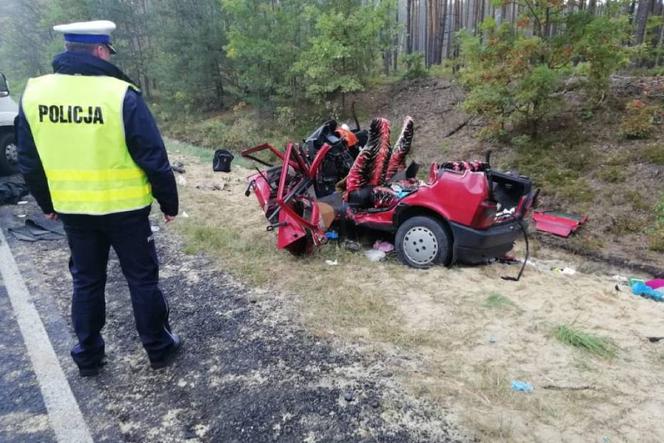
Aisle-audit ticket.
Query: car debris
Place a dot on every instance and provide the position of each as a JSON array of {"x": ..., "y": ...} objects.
[
  {"x": 375, "y": 255},
  {"x": 642, "y": 289},
  {"x": 558, "y": 223},
  {"x": 11, "y": 192},
  {"x": 222, "y": 160},
  {"x": 178, "y": 167},
  {"x": 38, "y": 228},
  {"x": 384, "y": 246},
  {"x": 522, "y": 386}
]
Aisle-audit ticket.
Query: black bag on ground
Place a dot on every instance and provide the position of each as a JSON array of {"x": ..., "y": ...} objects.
[{"x": 222, "y": 160}]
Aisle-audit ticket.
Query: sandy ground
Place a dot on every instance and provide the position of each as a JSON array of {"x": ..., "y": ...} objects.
[{"x": 437, "y": 332}]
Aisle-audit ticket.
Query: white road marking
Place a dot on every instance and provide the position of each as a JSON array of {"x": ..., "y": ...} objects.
[{"x": 63, "y": 411}]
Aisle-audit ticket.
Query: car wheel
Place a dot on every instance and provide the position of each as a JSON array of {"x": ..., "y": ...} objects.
[
  {"x": 422, "y": 242},
  {"x": 8, "y": 155}
]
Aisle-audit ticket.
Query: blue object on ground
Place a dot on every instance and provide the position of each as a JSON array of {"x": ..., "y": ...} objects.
[
  {"x": 521, "y": 386},
  {"x": 644, "y": 290},
  {"x": 331, "y": 235}
]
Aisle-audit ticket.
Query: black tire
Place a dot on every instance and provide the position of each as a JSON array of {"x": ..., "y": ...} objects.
[
  {"x": 422, "y": 242},
  {"x": 8, "y": 164}
]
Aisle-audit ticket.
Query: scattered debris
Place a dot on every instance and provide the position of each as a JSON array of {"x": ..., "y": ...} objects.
[
  {"x": 352, "y": 246},
  {"x": 222, "y": 160},
  {"x": 348, "y": 396},
  {"x": 656, "y": 283},
  {"x": 383, "y": 246},
  {"x": 185, "y": 215},
  {"x": 181, "y": 180},
  {"x": 522, "y": 386},
  {"x": 644, "y": 290},
  {"x": 564, "y": 271},
  {"x": 375, "y": 255},
  {"x": 332, "y": 235},
  {"x": 508, "y": 259},
  {"x": 655, "y": 339},
  {"x": 38, "y": 228},
  {"x": 558, "y": 223},
  {"x": 492, "y": 339},
  {"x": 331, "y": 262},
  {"x": 12, "y": 192},
  {"x": 218, "y": 187},
  {"x": 178, "y": 167}
]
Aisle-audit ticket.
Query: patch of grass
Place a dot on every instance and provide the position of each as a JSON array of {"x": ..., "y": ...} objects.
[
  {"x": 599, "y": 346},
  {"x": 178, "y": 147},
  {"x": 622, "y": 158},
  {"x": 587, "y": 242},
  {"x": 628, "y": 224},
  {"x": 224, "y": 242},
  {"x": 637, "y": 200},
  {"x": 656, "y": 239},
  {"x": 498, "y": 301},
  {"x": 557, "y": 168},
  {"x": 654, "y": 153},
  {"x": 612, "y": 174}
]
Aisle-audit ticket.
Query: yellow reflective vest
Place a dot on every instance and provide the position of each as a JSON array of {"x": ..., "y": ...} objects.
[{"x": 77, "y": 125}]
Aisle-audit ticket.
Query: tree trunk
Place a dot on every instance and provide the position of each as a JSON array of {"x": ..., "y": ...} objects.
[
  {"x": 592, "y": 7},
  {"x": 396, "y": 42},
  {"x": 660, "y": 43},
  {"x": 450, "y": 29},
  {"x": 409, "y": 26},
  {"x": 441, "y": 32},
  {"x": 642, "y": 12}
]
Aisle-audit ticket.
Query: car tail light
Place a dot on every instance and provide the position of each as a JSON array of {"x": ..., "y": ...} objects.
[
  {"x": 527, "y": 203},
  {"x": 485, "y": 216}
]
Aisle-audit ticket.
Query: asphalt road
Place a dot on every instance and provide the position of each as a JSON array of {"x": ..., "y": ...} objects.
[{"x": 249, "y": 372}]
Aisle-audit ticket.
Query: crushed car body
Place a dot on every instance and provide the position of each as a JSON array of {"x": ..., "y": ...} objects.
[{"x": 341, "y": 178}]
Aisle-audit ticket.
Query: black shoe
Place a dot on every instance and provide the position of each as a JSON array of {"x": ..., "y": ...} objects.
[
  {"x": 170, "y": 355},
  {"x": 91, "y": 371}
]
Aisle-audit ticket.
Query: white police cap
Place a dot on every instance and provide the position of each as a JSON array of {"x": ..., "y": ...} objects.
[{"x": 98, "y": 31}]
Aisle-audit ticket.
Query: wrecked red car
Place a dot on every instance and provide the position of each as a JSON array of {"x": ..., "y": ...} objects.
[{"x": 340, "y": 179}]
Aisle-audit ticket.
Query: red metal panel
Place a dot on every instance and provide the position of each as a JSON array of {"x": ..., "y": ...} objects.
[{"x": 557, "y": 224}]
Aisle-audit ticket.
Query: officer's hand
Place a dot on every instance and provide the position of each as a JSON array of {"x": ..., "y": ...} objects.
[
  {"x": 169, "y": 218},
  {"x": 52, "y": 216}
]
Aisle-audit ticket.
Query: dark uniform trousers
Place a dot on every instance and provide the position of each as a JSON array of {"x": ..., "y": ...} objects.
[{"x": 90, "y": 239}]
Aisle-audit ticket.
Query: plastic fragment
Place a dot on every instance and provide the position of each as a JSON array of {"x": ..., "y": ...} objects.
[
  {"x": 522, "y": 386},
  {"x": 374, "y": 255},
  {"x": 383, "y": 246},
  {"x": 640, "y": 288}
]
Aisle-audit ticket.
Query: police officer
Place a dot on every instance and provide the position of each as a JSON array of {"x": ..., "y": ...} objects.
[{"x": 92, "y": 155}]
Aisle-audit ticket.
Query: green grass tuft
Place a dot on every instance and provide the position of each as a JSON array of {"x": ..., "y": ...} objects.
[
  {"x": 498, "y": 301},
  {"x": 654, "y": 153},
  {"x": 602, "y": 347}
]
